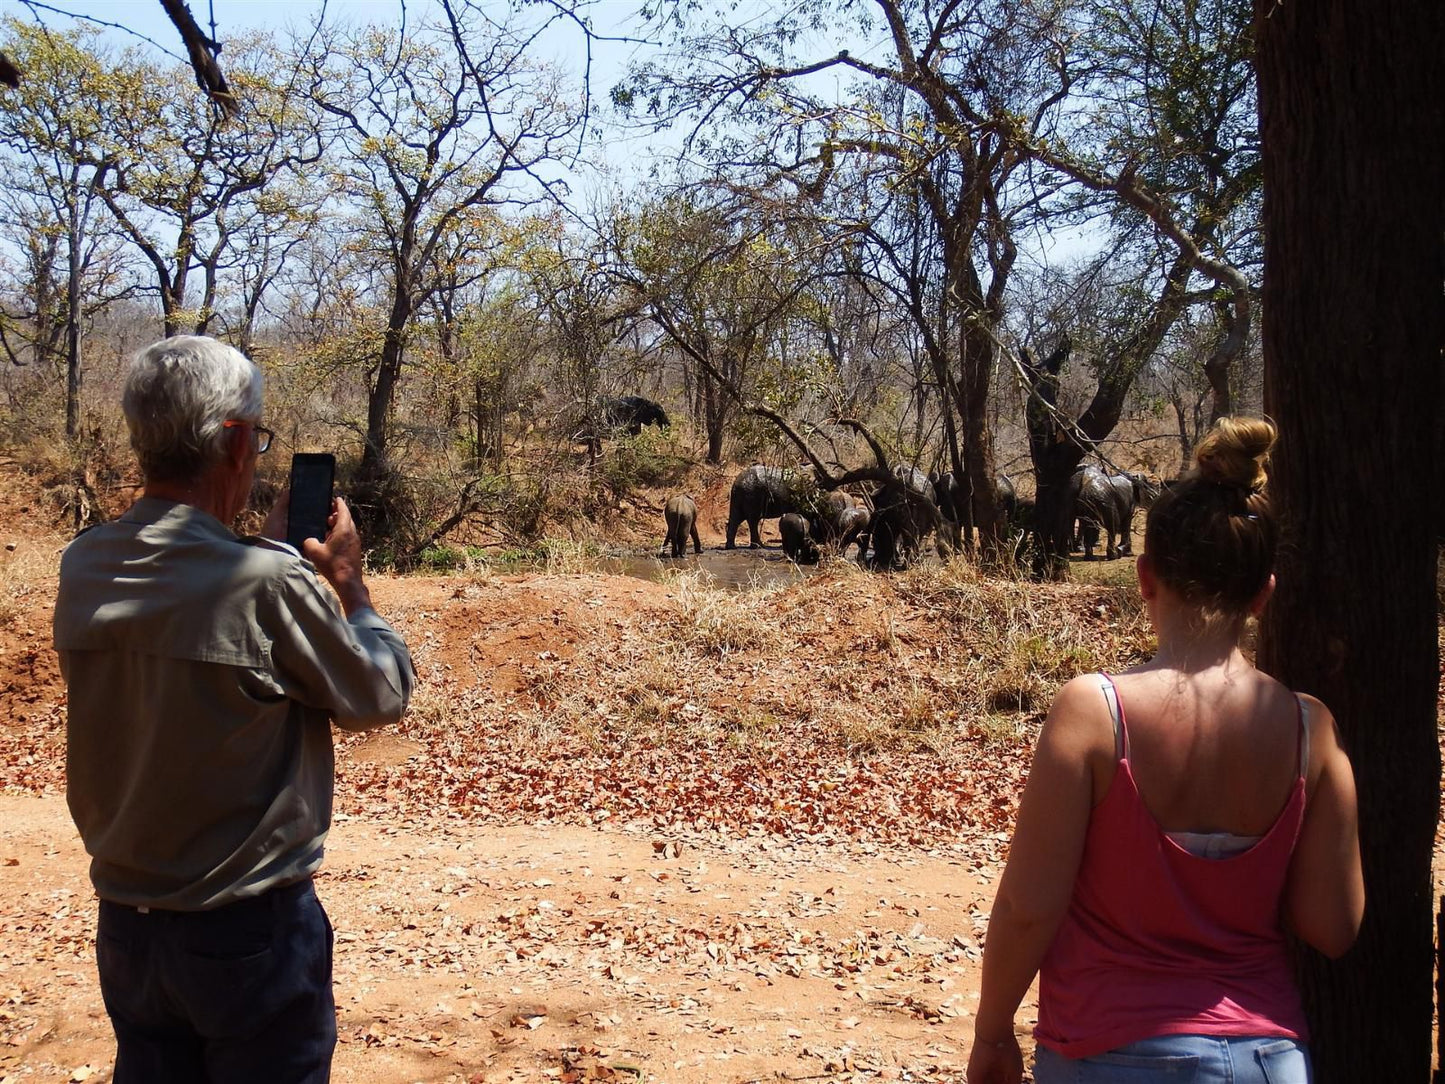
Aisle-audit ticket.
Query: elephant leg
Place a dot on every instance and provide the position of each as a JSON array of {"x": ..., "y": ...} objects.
[
  {"x": 732, "y": 539},
  {"x": 755, "y": 533},
  {"x": 696, "y": 542}
]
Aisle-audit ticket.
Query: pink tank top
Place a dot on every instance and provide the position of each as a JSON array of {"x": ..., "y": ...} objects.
[{"x": 1159, "y": 941}]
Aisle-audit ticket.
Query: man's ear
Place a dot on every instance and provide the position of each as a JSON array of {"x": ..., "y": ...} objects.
[{"x": 238, "y": 447}]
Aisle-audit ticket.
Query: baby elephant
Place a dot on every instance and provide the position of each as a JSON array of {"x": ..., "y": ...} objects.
[
  {"x": 853, "y": 527},
  {"x": 681, "y": 513},
  {"x": 796, "y": 542}
]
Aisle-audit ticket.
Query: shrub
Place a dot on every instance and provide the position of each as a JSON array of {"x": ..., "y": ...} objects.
[{"x": 647, "y": 461}]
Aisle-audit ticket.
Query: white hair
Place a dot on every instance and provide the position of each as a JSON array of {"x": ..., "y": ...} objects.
[{"x": 178, "y": 395}]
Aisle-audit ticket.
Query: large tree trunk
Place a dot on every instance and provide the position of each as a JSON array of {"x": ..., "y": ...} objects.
[
  {"x": 1055, "y": 454},
  {"x": 714, "y": 416},
  {"x": 373, "y": 494},
  {"x": 72, "y": 328},
  {"x": 1350, "y": 95}
]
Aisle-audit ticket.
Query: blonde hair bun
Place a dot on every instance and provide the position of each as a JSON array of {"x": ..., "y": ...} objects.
[{"x": 1236, "y": 452}]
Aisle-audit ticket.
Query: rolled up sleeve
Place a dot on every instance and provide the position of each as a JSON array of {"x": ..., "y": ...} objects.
[{"x": 357, "y": 669}]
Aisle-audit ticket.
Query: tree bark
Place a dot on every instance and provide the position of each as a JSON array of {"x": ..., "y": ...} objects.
[
  {"x": 373, "y": 511},
  {"x": 978, "y": 462},
  {"x": 1354, "y": 165},
  {"x": 1055, "y": 454},
  {"x": 73, "y": 301},
  {"x": 715, "y": 415}
]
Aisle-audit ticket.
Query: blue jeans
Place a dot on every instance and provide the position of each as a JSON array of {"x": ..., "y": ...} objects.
[
  {"x": 240, "y": 993},
  {"x": 1183, "y": 1059}
]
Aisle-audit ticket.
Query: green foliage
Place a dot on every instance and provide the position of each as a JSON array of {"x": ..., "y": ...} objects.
[
  {"x": 355, "y": 229},
  {"x": 440, "y": 559},
  {"x": 647, "y": 461}
]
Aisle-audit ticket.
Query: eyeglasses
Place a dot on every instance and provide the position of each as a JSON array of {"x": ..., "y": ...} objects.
[{"x": 264, "y": 436}]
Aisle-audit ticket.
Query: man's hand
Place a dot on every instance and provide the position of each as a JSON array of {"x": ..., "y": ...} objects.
[{"x": 339, "y": 557}]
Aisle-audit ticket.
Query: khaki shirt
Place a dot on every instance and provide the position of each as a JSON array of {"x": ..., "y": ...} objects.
[{"x": 202, "y": 672}]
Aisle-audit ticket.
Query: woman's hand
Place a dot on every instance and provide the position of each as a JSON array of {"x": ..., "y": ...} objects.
[{"x": 996, "y": 1063}]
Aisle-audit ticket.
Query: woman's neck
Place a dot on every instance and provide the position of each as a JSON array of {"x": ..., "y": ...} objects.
[{"x": 1190, "y": 644}]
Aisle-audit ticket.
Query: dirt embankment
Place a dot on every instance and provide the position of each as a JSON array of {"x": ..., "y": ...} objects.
[
  {"x": 568, "y": 864},
  {"x": 631, "y": 830}
]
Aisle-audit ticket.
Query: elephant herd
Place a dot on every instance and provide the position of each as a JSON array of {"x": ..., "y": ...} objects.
[{"x": 890, "y": 524}]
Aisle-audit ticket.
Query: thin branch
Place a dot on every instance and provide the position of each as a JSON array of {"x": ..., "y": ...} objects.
[{"x": 36, "y": 7}]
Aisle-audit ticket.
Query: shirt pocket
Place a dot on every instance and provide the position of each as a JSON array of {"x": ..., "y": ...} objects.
[{"x": 259, "y": 684}]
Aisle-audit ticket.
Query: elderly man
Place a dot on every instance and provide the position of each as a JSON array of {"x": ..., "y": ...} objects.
[{"x": 203, "y": 671}]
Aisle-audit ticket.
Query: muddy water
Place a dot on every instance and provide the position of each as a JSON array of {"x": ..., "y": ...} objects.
[{"x": 727, "y": 568}]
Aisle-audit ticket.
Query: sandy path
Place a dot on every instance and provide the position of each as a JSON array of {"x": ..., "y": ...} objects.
[{"x": 474, "y": 953}]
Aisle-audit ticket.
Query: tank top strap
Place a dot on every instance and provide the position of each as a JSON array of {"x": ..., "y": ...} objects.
[
  {"x": 1304, "y": 736},
  {"x": 1116, "y": 713}
]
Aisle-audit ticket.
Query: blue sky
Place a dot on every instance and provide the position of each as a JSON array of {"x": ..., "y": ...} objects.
[
  {"x": 627, "y": 156},
  {"x": 146, "y": 17},
  {"x": 564, "y": 47}
]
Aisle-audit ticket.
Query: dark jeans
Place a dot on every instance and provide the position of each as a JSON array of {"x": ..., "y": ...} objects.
[{"x": 241, "y": 993}]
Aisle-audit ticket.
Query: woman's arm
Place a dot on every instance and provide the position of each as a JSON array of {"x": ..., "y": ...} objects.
[
  {"x": 1038, "y": 880},
  {"x": 1325, "y": 894}
]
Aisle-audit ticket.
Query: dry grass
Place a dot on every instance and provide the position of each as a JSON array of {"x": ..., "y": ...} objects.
[
  {"x": 562, "y": 557},
  {"x": 28, "y": 571},
  {"x": 717, "y": 622},
  {"x": 922, "y": 662}
]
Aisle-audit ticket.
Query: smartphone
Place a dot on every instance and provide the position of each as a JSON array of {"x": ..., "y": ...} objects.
[{"x": 312, "y": 476}]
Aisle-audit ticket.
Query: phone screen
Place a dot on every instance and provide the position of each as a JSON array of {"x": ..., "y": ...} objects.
[{"x": 312, "y": 476}]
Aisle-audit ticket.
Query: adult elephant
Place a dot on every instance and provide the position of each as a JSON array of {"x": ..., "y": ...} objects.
[
  {"x": 632, "y": 412},
  {"x": 1008, "y": 498},
  {"x": 953, "y": 502},
  {"x": 761, "y": 493},
  {"x": 621, "y": 414},
  {"x": 1108, "y": 501},
  {"x": 904, "y": 511}
]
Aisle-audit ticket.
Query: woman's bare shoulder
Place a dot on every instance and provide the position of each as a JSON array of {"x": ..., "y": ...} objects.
[{"x": 1080, "y": 716}]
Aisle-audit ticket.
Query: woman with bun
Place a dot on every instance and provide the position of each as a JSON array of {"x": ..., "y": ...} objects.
[{"x": 1180, "y": 820}]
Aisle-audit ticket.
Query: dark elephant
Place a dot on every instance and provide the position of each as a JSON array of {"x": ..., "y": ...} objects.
[
  {"x": 797, "y": 542},
  {"x": 632, "y": 412},
  {"x": 824, "y": 516},
  {"x": 953, "y": 503},
  {"x": 1023, "y": 526},
  {"x": 948, "y": 493},
  {"x": 1106, "y": 503},
  {"x": 761, "y": 493},
  {"x": 837, "y": 519},
  {"x": 904, "y": 511},
  {"x": 681, "y": 515},
  {"x": 625, "y": 414},
  {"x": 1008, "y": 499}
]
